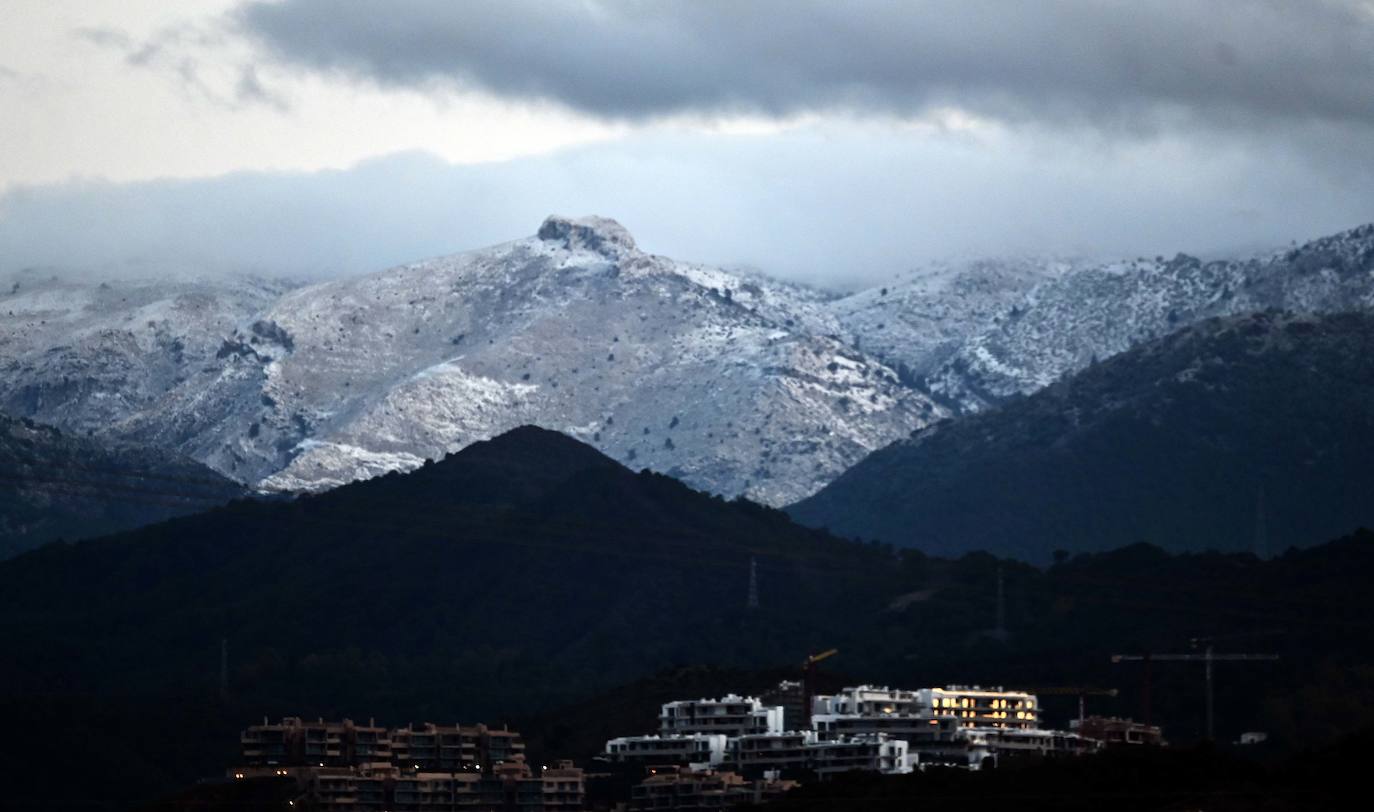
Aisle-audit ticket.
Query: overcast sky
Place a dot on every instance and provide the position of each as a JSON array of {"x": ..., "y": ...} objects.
[{"x": 833, "y": 142}]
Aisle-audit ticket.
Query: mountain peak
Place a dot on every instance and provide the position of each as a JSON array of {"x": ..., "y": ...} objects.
[
  {"x": 522, "y": 464},
  {"x": 600, "y": 234}
]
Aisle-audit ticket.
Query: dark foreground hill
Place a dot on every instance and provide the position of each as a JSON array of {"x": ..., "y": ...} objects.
[
  {"x": 1243, "y": 433},
  {"x": 54, "y": 485},
  {"x": 528, "y": 564},
  {"x": 523, "y": 579}
]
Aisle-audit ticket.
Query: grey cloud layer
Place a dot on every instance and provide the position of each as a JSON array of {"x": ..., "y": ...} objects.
[
  {"x": 1110, "y": 62},
  {"x": 839, "y": 206}
]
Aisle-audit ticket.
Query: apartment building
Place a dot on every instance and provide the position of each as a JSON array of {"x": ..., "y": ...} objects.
[
  {"x": 295, "y": 741},
  {"x": 1112, "y": 731},
  {"x": 427, "y": 746},
  {"x": 730, "y": 715},
  {"x": 337, "y": 788},
  {"x": 512, "y": 787},
  {"x": 872, "y": 701},
  {"x": 874, "y": 753},
  {"x": 432, "y": 791},
  {"x": 703, "y": 790},
  {"x": 705, "y": 749},
  {"x": 346, "y": 765},
  {"x": 757, "y": 753},
  {"x": 975, "y": 706}
]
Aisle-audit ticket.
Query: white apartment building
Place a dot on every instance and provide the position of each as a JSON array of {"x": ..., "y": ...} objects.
[
  {"x": 870, "y": 700},
  {"x": 731, "y": 715},
  {"x": 757, "y": 752},
  {"x": 706, "y": 749},
  {"x": 796, "y": 750},
  {"x": 875, "y": 753}
]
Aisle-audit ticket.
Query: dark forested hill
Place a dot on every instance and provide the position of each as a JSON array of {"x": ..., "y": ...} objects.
[
  {"x": 54, "y": 485},
  {"x": 1236, "y": 434},
  {"x": 521, "y": 576},
  {"x": 529, "y": 563}
]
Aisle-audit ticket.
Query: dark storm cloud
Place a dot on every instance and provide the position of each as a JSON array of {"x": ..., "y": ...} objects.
[{"x": 1123, "y": 63}]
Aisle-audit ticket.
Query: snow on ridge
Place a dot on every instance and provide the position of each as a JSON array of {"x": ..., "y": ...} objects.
[{"x": 736, "y": 385}]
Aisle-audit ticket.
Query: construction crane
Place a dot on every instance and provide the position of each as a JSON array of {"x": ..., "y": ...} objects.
[
  {"x": 808, "y": 670},
  {"x": 1207, "y": 658},
  {"x": 1080, "y": 691}
]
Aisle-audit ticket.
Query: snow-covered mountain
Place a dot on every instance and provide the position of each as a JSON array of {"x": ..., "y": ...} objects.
[
  {"x": 921, "y": 317},
  {"x": 1065, "y": 322},
  {"x": 735, "y": 384},
  {"x": 85, "y": 356}
]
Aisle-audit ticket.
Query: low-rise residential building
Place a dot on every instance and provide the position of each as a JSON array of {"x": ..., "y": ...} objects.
[
  {"x": 1112, "y": 731},
  {"x": 867, "y": 710},
  {"x": 704, "y": 790},
  {"x": 269, "y": 744},
  {"x": 798, "y": 753},
  {"x": 998, "y": 743},
  {"x": 871, "y": 700},
  {"x": 427, "y": 746},
  {"x": 339, "y": 788},
  {"x": 757, "y": 753},
  {"x": 295, "y": 741},
  {"x": 875, "y": 753},
  {"x": 975, "y": 706},
  {"x": 730, "y": 715},
  {"x": 706, "y": 749},
  {"x": 425, "y": 791},
  {"x": 513, "y": 787},
  {"x": 343, "y": 765}
]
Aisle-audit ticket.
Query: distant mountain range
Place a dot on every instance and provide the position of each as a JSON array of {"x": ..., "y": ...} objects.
[
  {"x": 1245, "y": 433},
  {"x": 735, "y": 383},
  {"x": 56, "y": 486},
  {"x": 1071, "y": 319}
]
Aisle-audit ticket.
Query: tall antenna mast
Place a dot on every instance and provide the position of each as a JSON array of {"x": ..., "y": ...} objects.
[
  {"x": 753, "y": 602},
  {"x": 1261, "y": 528}
]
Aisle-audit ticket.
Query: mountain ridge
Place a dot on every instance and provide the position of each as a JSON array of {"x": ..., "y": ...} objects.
[
  {"x": 1067, "y": 321},
  {"x": 55, "y": 486},
  {"x": 1213, "y": 437},
  {"x": 736, "y": 383}
]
